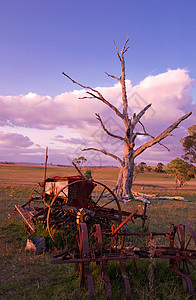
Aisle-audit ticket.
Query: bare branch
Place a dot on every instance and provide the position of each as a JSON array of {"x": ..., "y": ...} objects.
[
  {"x": 106, "y": 153},
  {"x": 164, "y": 146},
  {"x": 85, "y": 97},
  {"x": 153, "y": 136},
  {"x": 83, "y": 86},
  {"x": 161, "y": 136},
  {"x": 99, "y": 96},
  {"x": 124, "y": 47},
  {"x": 118, "y": 113},
  {"x": 109, "y": 133},
  {"x": 117, "y": 50},
  {"x": 126, "y": 50},
  {"x": 137, "y": 117},
  {"x": 110, "y": 75},
  {"x": 142, "y": 126},
  {"x": 147, "y": 134},
  {"x": 122, "y": 79}
]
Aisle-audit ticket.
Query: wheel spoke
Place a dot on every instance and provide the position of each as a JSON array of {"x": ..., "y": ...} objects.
[
  {"x": 178, "y": 238},
  {"x": 188, "y": 242},
  {"x": 38, "y": 192},
  {"x": 108, "y": 203},
  {"x": 63, "y": 206},
  {"x": 182, "y": 237},
  {"x": 64, "y": 194},
  {"x": 186, "y": 237},
  {"x": 187, "y": 267},
  {"x": 104, "y": 200},
  {"x": 100, "y": 195},
  {"x": 192, "y": 265}
]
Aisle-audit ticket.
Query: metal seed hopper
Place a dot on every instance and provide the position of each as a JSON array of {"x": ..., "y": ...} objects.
[{"x": 95, "y": 229}]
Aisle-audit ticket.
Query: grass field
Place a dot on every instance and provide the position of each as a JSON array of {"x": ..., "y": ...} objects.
[{"x": 25, "y": 275}]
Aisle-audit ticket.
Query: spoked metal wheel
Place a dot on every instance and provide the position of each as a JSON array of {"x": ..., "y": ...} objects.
[
  {"x": 105, "y": 205},
  {"x": 39, "y": 198},
  {"x": 64, "y": 209},
  {"x": 84, "y": 201},
  {"x": 96, "y": 240},
  {"x": 82, "y": 247},
  {"x": 96, "y": 246},
  {"x": 184, "y": 240}
]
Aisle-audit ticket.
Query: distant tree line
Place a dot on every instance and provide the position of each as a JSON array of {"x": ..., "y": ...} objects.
[{"x": 183, "y": 169}]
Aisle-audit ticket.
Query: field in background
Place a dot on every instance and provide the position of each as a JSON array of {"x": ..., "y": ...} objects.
[
  {"x": 29, "y": 174},
  {"x": 28, "y": 276},
  {"x": 148, "y": 182}
]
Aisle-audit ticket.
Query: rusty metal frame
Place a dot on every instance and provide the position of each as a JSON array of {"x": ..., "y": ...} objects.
[{"x": 176, "y": 254}]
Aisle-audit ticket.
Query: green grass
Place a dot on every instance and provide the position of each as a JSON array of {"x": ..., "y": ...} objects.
[{"x": 25, "y": 275}]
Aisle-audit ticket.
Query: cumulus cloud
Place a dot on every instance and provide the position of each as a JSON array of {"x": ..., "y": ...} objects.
[
  {"x": 8, "y": 139},
  {"x": 168, "y": 92},
  {"x": 44, "y": 112}
]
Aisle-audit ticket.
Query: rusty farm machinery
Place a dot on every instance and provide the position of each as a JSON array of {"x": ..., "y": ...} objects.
[{"x": 96, "y": 230}]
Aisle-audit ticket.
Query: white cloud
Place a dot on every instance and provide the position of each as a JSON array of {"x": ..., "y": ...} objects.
[
  {"x": 8, "y": 139},
  {"x": 168, "y": 92}
]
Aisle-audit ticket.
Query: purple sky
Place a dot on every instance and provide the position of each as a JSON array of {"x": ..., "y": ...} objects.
[{"x": 39, "y": 107}]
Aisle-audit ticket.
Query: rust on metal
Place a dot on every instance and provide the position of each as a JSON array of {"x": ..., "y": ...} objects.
[
  {"x": 178, "y": 252},
  {"x": 124, "y": 222},
  {"x": 102, "y": 231},
  {"x": 26, "y": 217}
]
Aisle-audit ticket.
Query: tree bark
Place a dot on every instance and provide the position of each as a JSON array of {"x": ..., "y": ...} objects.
[
  {"x": 127, "y": 173},
  {"x": 125, "y": 178}
]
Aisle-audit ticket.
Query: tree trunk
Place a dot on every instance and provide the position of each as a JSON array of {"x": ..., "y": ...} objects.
[{"x": 125, "y": 178}]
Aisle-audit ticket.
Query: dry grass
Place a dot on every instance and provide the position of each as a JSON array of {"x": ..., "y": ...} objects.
[{"x": 28, "y": 276}]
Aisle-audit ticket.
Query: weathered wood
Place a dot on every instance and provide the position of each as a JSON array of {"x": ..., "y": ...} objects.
[
  {"x": 170, "y": 198},
  {"x": 144, "y": 195},
  {"x": 161, "y": 136},
  {"x": 106, "y": 153},
  {"x": 139, "y": 196},
  {"x": 107, "y": 131},
  {"x": 125, "y": 178},
  {"x": 96, "y": 94},
  {"x": 27, "y": 217}
]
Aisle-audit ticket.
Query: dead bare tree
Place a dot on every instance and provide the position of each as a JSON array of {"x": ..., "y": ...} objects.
[{"x": 125, "y": 178}]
